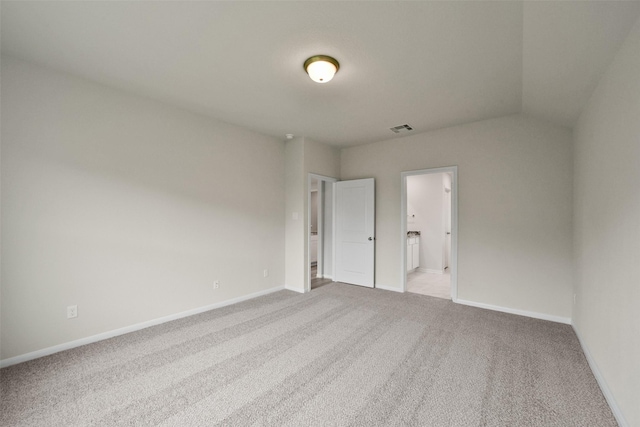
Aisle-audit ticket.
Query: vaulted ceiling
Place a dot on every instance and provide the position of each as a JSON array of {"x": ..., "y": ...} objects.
[{"x": 428, "y": 64}]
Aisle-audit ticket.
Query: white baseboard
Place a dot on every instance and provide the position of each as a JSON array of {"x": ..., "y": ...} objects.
[
  {"x": 606, "y": 391},
  {"x": 127, "y": 329},
  {"x": 388, "y": 288},
  {"x": 533, "y": 314},
  {"x": 291, "y": 288}
]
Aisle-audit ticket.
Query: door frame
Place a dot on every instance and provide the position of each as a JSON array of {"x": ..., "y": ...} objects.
[
  {"x": 453, "y": 267},
  {"x": 446, "y": 261},
  {"x": 320, "y": 179}
]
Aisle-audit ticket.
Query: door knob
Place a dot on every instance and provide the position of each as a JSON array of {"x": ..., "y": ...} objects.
[{"x": 370, "y": 238}]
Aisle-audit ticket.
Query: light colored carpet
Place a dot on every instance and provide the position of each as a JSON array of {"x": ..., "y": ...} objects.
[{"x": 340, "y": 355}]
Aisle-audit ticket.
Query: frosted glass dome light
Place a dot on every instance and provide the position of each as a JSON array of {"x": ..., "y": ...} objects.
[{"x": 321, "y": 68}]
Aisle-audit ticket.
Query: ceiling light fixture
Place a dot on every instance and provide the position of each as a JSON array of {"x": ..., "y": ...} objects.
[{"x": 321, "y": 68}]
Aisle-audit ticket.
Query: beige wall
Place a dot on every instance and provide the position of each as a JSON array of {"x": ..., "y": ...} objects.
[
  {"x": 607, "y": 228},
  {"x": 303, "y": 157},
  {"x": 321, "y": 159},
  {"x": 295, "y": 231},
  {"x": 126, "y": 207},
  {"x": 515, "y": 183}
]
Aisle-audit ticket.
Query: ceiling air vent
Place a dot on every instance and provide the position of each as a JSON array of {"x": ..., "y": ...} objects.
[{"x": 401, "y": 128}]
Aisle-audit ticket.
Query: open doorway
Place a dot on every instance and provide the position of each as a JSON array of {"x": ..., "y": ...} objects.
[
  {"x": 321, "y": 220},
  {"x": 429, "y": 234}
]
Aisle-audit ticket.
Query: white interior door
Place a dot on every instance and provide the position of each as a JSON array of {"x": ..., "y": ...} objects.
[{"x": 355, "y": 226}]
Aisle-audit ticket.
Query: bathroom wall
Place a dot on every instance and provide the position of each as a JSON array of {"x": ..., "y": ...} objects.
[{"x": 425, "y": 196}]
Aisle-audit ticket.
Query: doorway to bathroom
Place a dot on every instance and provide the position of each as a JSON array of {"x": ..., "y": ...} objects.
[
  {"x": 321, "y": 220},
  {"x": 429, "y": 232}
]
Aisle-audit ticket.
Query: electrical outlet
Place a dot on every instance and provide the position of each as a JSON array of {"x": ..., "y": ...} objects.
[
  {"x": 216, "y": 284},
  {"x": 72, "y": 311},
  {"x": 265, "y": 273}
]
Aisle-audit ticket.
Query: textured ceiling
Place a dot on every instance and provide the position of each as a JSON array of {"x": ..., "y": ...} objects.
[{"x": 429, "y": 64}]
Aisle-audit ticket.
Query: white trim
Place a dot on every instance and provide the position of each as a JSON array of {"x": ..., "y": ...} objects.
[
  {"x": 333, "y": 230},
  {"x": 388, "y": 288},
  {"x": 606, "y": 391},
  {"x": 453, "y": 267},
  {"x": 127, "y": 329},
  {"x": 291, "y": 288},
  {"x": 320, "y": 230},
  {"x": 532, "y": 314}
]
